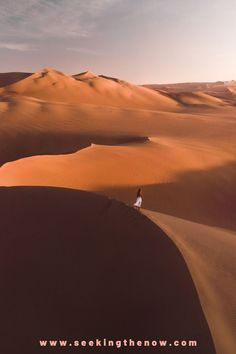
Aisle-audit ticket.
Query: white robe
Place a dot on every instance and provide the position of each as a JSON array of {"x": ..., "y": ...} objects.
[{"x": 138, "y": 202}]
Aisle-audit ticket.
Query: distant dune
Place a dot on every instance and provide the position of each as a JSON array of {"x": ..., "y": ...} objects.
[
  {"x": 223, "y": 91},
  {"x": 54, "y": 86},
  {"x": 78, "y": 266},
  {"x": 197, "y": 99}
]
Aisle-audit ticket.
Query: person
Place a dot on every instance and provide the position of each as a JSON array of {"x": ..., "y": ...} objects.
[{"x": 139, "y": 199}]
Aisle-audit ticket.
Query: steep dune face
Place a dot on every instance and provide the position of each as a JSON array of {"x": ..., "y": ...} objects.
[
  {"x": 210, "y": 256},
  {"x": 10, "y": 78},
  {"x": 54, "y": 86},
  {"x": 86, "y": 75},
  {"x": 81, "y": 273}
]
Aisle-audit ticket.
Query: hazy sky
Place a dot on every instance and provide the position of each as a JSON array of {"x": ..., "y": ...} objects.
[{"x": 142, "y": 41}]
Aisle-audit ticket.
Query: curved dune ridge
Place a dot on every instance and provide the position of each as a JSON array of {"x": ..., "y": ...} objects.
[
  {"x": 210, "y": 256},
  {"x": 81, "y": 273},
  {"x": 55, "y": 86}
]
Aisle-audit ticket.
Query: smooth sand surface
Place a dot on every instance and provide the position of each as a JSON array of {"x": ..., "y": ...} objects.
[
  {"x": 79, "y": 273},
  {"x": 210, "y": 255}
]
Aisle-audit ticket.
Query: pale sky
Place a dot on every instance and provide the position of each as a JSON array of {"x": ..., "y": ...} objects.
[{"x": 142, "y": 41}]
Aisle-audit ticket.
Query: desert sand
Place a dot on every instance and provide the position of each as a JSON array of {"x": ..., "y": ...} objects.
[
  {"x": 52, "y": 85},
  {"x": 108, "y": 136},
  {"x": 221, "y": 90},
  {"x": 196, "y": 242}
]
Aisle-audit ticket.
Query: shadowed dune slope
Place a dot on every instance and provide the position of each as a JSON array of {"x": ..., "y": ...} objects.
[
  {"x": 78, "y": 271},
  {"x": 210, "y": 256},
  {"x": 10, "y": 78},
  {"x": 207, "y": 197}
]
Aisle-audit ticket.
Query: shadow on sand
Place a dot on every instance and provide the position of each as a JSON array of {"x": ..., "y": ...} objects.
[
  {"x": 75, "y": 265},
  {"x": 207, "y": 197}
]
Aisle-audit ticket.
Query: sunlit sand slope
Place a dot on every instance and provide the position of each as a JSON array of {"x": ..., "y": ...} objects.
[{"x": 210, "y": 256}]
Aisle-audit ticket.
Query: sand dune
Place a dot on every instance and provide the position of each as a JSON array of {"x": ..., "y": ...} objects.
[
  {"x": 198, "y": 98},
  {"x": 55, "y": 86},
  {"x": 82, "y": 273},
  {"x": 196, "y": 188},
  {"x": 31, "y": 126},
  {"x": 87, "y": 87},
  {"x": 224, "y": 91},
  {"x": 210, "y": 256}
]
